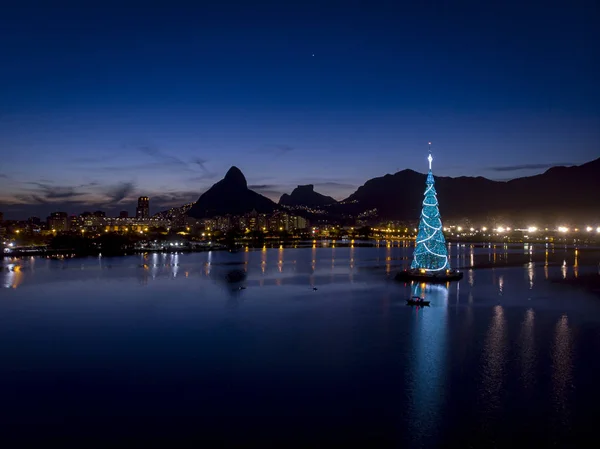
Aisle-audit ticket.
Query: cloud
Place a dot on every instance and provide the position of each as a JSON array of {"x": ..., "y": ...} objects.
[
  {"x": 120, "y": 191},
  {"x": 200, "y": 162},
  {"x": 528, "y": 166},
  {"x": 159, "y": 166},
  {"x": 161, "y": 161},
  {"x": 282, "y": 148},
  {"x": 92, "y": 159},
  {"x": 202, "y": 177},
  {"x": 174, "y": 161},
  {"x": 31, "y": 205},
  {"x": 3, "y": 176},
  {"x": 262, "y": 186},
  {"x": 165, "y": 158},
  {"x": 275, "y": 150},
  {"x": 30, "y": 199},
  {"x": 339, "y": 185},
  {"x": 166, "y": 200},
  {"x": 47, "y": 191}
]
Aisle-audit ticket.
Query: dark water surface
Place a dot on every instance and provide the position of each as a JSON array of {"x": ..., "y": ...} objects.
[{"x": 163, "y": 350}]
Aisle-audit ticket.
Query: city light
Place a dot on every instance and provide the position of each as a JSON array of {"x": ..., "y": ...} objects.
[
  {"x": 589, "y": 229},
  {"x": 500, "y": 229},
  {"x": 598, "y": 229},
  {"x": 484, "y": 229},
  {"x": 531, "y": 229},
  {"x": 459, "y": 228},
  {"x": 563, "y": 229}
]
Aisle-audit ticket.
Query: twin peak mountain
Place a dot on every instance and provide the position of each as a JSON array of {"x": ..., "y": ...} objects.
[
  {"x": 561, "y": 193},
  {"x": 232, "y": 196}
]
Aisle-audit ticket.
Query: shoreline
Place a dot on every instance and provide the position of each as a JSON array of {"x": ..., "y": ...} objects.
[{"x": 242, "y": 246}]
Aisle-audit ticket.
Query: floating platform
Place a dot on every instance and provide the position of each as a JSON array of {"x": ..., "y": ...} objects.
[{"x": 431, "y": 277}]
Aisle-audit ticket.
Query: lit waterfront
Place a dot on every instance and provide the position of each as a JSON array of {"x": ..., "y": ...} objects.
[{"x": 173, "y": 344}]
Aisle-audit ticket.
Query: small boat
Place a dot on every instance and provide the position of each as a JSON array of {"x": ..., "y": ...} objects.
[{"x": 417, "y": 301}]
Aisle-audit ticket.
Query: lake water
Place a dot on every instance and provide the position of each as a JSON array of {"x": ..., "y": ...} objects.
[{"x": 161, "y": 350}]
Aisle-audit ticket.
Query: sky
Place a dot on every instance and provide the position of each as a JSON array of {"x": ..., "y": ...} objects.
[{"x": 101, "y": 104}]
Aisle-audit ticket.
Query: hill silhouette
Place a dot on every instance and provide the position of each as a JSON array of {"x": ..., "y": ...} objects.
[
  {"x": 561, "y": 193},
  {"x": 230, "y": 195},
  {"x": 306, "y": 196}
]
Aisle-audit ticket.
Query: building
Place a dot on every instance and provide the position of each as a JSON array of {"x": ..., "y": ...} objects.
[
  {"x": 251, "y": 222},
  {"x": 88, "y": 221},
  {"x": 75, "y": 223},
  {"x": 299, "y": 222},
  {"x": 262, "y": 222},
  {"x": 135, "y": 224},
  {"x": 279, "y": 221},
  {"x": 123, "y": 214},
  {"x": 58, "y": 221},
  {"x": 224, "y": 223},
  {"x": 143, "y": 207}
]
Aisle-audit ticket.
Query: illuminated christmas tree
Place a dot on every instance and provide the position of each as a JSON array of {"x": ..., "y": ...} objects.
[{"x": 431, "y": 254}]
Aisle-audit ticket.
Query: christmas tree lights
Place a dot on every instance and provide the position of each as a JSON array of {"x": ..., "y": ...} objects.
[{"x": 431, "y": 254}]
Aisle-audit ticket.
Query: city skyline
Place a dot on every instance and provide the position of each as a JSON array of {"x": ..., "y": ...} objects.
[{"x": 104, "y": 108}]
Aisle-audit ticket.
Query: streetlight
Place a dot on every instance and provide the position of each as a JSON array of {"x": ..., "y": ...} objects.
[{"x": 531, "y": 229}]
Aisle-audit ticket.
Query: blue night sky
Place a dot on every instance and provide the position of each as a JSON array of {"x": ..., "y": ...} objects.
[{"x": 99, "y": 105}]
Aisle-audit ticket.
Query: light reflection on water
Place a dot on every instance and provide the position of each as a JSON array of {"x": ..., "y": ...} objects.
[
  {"x": 505, "y": 341},
  {"x": 494, "y": 359},
  {"x": 528, "y": 350},
  {"x": 351, "y": 261},
  {"x": 562, "y": 364},
  {"x": 428, "y": 374}
]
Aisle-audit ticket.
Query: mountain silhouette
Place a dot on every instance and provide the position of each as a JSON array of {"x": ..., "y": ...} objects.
[
  {"x": 306, "y": 196},
  {"x": 561, "y": 193},
  {"x": 230, "y": 195}
]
